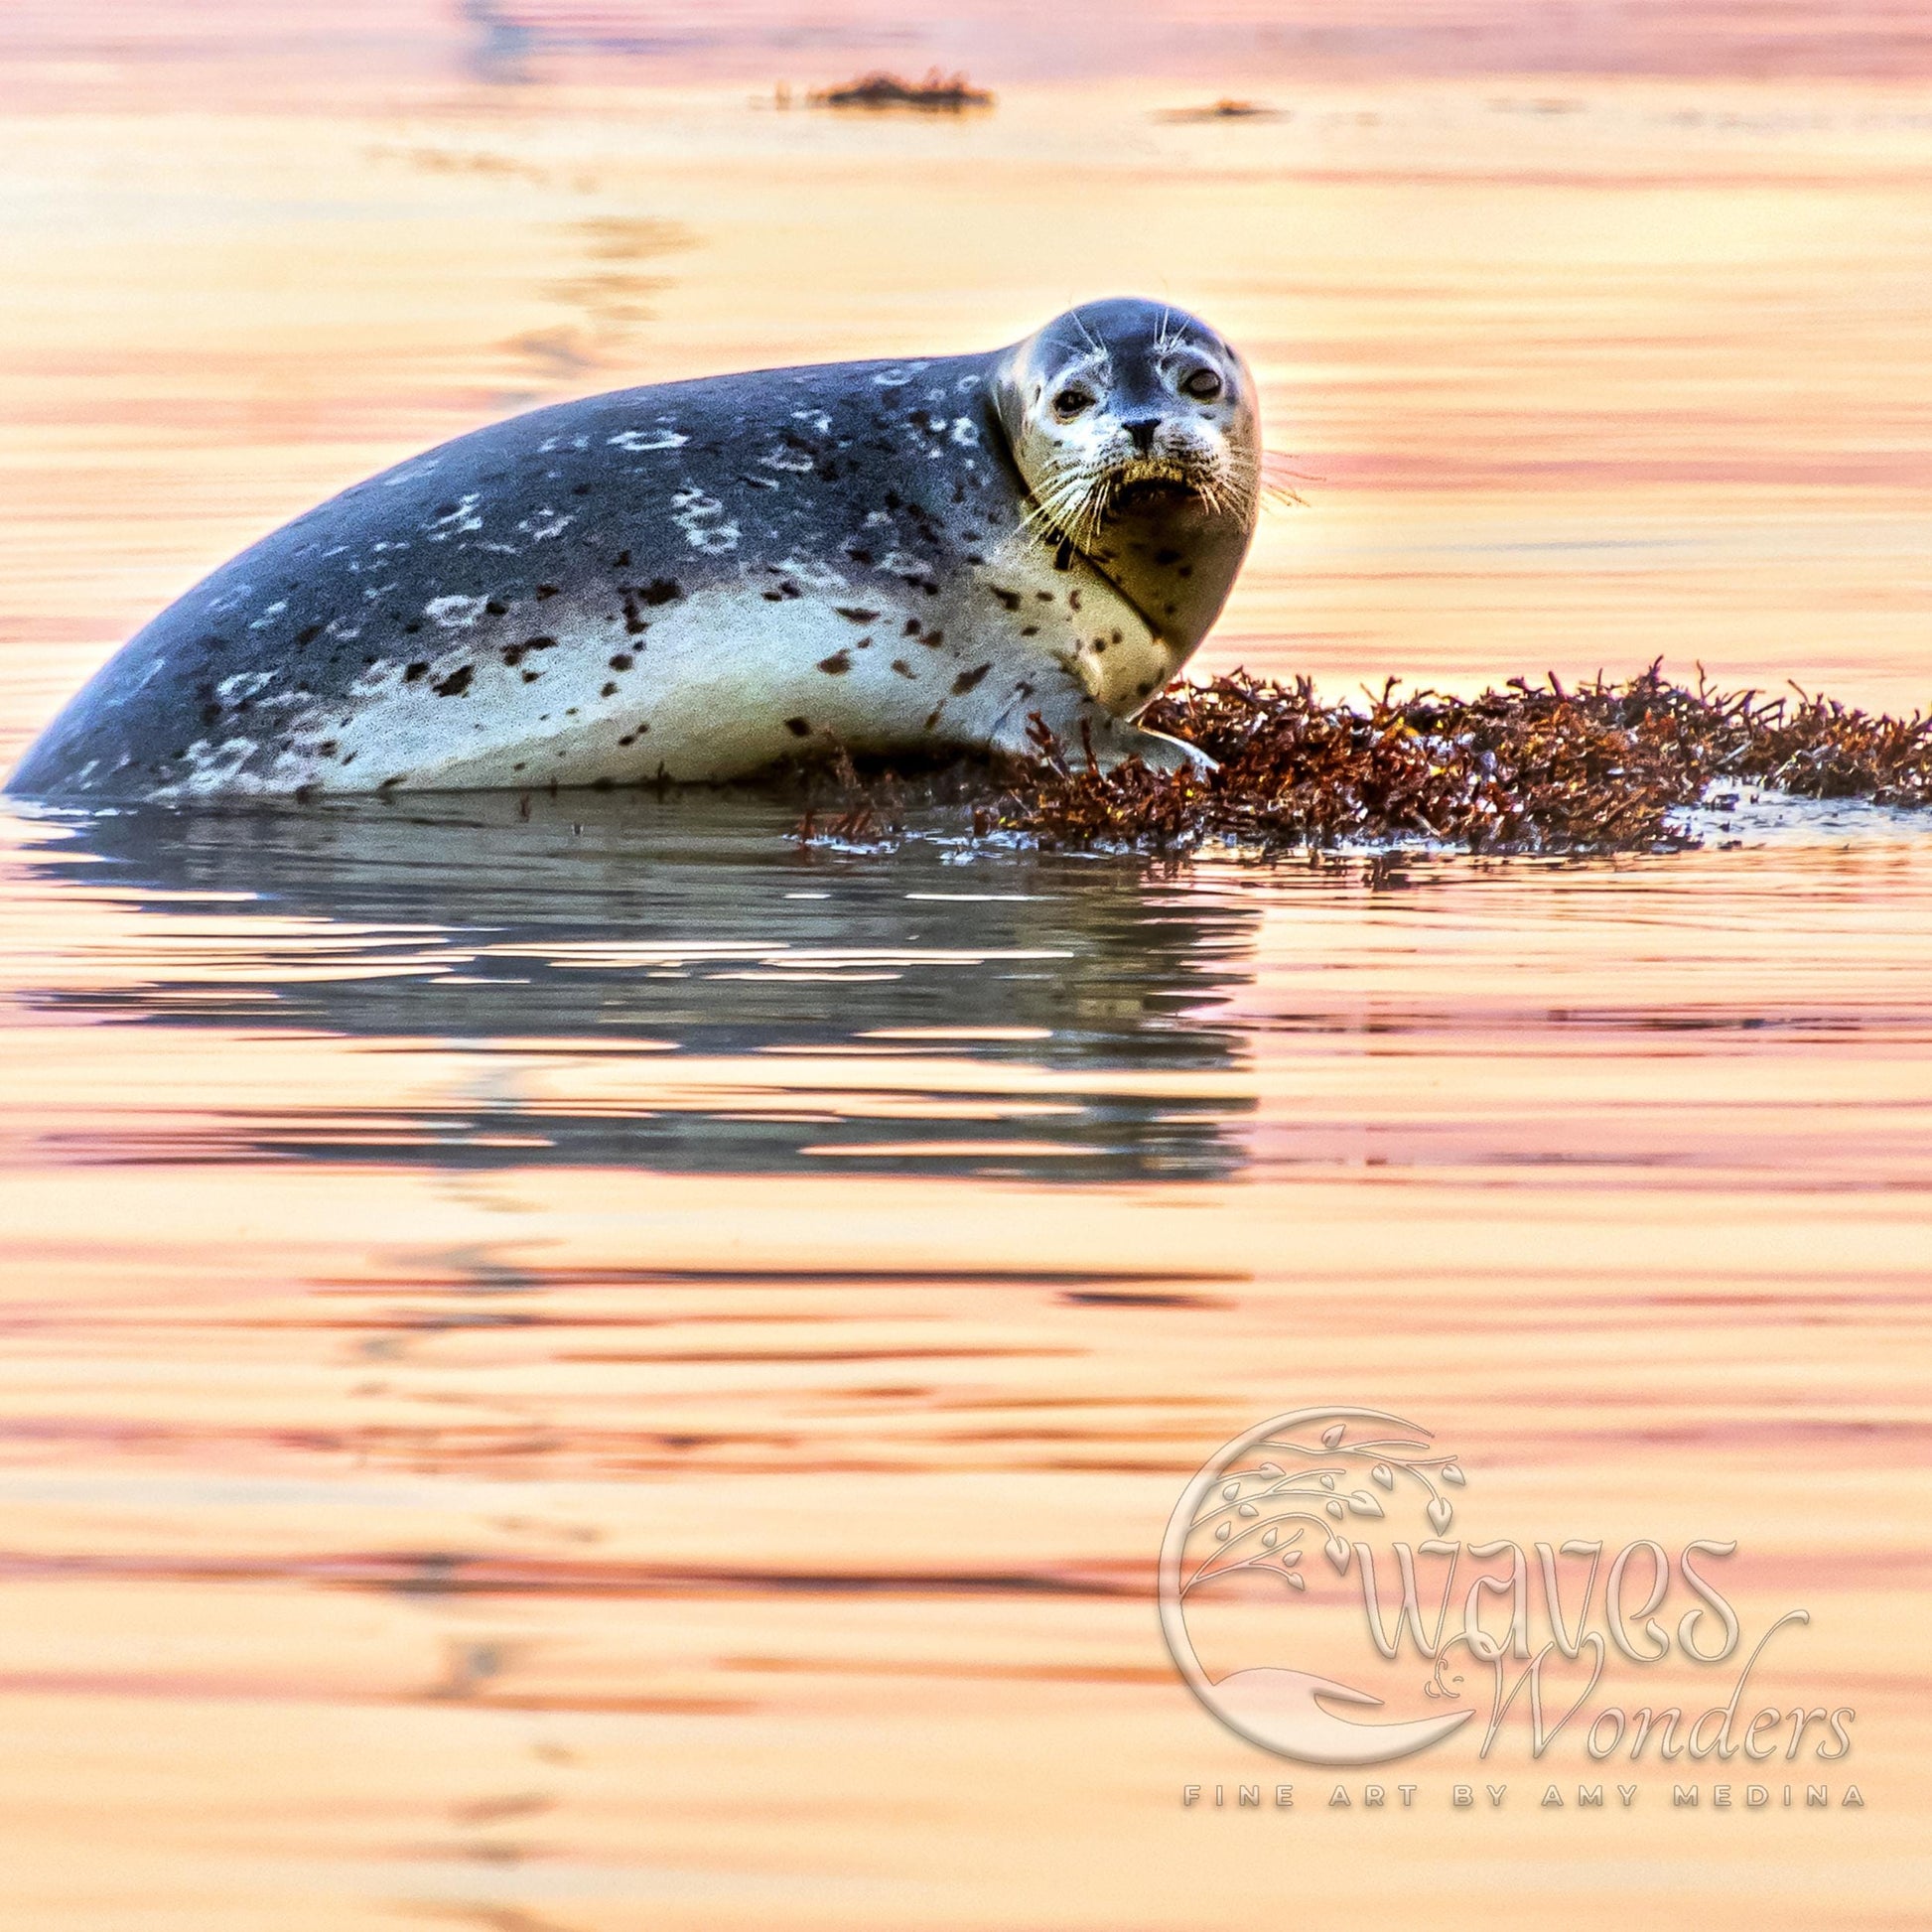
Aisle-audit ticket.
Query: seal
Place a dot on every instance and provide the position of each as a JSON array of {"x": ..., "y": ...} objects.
[{"x": 696, "y": 580}]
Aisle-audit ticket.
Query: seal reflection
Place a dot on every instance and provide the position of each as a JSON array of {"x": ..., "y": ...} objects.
[{"x": 675, "y": 984}]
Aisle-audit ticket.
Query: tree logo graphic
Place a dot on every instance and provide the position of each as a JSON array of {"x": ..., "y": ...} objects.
[{"x": 1256, "y": 1505}]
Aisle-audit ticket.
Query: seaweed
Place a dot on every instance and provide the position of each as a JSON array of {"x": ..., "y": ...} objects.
[
  {"x": 938, "y": 92},
  {"x": 1530, "y": 768}
]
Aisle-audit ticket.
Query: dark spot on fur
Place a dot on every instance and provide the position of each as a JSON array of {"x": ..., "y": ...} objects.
[
  {"x": 913, "y": 627},
  {"x": 773, "y": 597},
  {"x": 411, "y": 672},
  {"x": 210, "y": 713},
  {"x": 1145, "y": 689},
  {"x": 837, "y": 664},
  {"x": 965, "y": 681},
  {"x": 858, "y": 555},
  {"x": 546, "y": 590},
  {"x": 662, "y": 589},
  {"x": 540, "y": 643},
  {"x": 1073, "y": 600},
  {"x": 904, "y": 669},
  {"x": 799, "y": 727},
  {"x": 932, "y": 718},
  {"x": 580, "y": 489},
  {"x": 308, "y": 636},
  {"x": 1185, "y": 570},
  {"x": 410, "y": 629},
  {"x": 327, "y": 748},
  {"x": 622, "y": 561},
  {"x": 1011, "y": 599},
  {"x": 1029, "y": 630},
  {"x": 513, "y": 656},
  {"x": 1167, "y": 556},
  {"x": 454, "y": 684},
  {"x": 530, "y": 677},
  {"x": 622, "y": 661},
  {"x": 495, "y": 609},
  {"x": 854, "y": 613},
  {"x": 934, "y": 640},
  {"x": 1045, "y": 596},
  {"x": 609, "y": 691}
]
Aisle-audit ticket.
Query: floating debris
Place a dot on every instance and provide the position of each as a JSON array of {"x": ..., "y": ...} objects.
[
  {"x": 1527, "y": 768},
  {"x": 936, "y": 94},
  {"x": 1222, "y": 111}
]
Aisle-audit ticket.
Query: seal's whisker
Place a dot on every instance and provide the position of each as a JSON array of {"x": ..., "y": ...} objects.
[
  {"x": 1080, "y": 323},
  {"x": 1053, "y": 502},
  {"x": 1275, "y": 466}
]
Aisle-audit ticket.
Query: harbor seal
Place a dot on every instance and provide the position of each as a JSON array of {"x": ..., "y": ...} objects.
[{"x": 695, "y": 580}]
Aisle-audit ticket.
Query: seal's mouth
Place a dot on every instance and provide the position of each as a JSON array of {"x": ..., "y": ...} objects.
[{"x": 1149, "y": 480}]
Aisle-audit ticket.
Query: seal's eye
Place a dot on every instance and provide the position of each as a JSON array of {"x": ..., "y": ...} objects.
[
  {"x": 1069, "y": 402},
  {"x": 1202, "y": 384}
]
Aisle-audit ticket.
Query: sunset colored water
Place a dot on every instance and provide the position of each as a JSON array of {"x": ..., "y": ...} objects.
[{"x": 594, "y": 1368}]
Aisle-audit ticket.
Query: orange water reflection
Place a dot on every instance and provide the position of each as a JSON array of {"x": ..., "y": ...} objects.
[
  {"x": 585, "y": 1371},
  {"x": 505, "y": 1422}
]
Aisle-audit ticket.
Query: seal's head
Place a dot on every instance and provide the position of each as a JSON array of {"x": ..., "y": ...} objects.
[{"x": 1135, "y": 430}]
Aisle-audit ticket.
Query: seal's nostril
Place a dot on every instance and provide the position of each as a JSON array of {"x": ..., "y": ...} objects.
[{"x": 1143, "y": 432}]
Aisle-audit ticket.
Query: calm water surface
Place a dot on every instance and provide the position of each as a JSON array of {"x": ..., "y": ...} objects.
[{"x": 599, "y": 1369}]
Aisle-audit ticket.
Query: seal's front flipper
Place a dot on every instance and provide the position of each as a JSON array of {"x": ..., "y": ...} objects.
[
  {"x": 1077, "y": 725},
  {"x": 1159, "y": 753}
]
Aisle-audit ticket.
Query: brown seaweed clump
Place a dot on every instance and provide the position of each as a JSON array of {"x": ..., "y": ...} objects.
[
  {"x": 1527, "y": 768},
  {"x": 938, "y": 92}
]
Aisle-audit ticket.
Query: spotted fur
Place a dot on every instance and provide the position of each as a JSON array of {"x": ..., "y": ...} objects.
[{"x": 687, "y": 582}]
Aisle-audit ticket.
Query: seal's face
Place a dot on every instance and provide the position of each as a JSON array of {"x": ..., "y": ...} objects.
[{"x": 1134, "y": 428}]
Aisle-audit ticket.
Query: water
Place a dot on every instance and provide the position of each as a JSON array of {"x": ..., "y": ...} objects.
[{"x": 602, "y": 1368}]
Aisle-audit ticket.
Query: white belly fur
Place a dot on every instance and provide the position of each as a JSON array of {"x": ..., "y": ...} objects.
[{"x": 709, "y": 689}]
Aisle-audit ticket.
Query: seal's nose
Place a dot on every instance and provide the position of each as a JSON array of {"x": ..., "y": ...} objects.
[{"x": 1143, "y": 432}]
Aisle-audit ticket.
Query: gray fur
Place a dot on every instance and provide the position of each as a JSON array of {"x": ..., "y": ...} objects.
[{"x": 688, "y": 581}]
